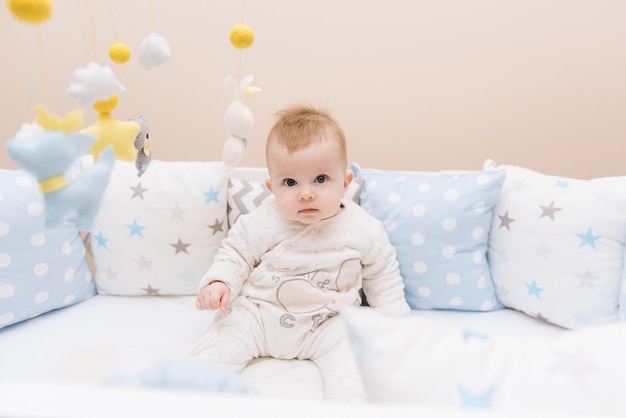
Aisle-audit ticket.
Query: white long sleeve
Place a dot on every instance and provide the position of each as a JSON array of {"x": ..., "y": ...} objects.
[{"x": 310, "y": 269}]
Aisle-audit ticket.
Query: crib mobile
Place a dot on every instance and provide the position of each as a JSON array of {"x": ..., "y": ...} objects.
[{"x": 50, "y": 146}]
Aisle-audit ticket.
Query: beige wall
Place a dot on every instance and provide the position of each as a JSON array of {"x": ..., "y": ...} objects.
[{"x": 417, "y": 84}]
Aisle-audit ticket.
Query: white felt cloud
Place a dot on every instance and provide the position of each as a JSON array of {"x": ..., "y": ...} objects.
[
  {"x": 92, "y": 83},
  {"x": 28, "y": 132},
  {"x": 154, "y": 51}
]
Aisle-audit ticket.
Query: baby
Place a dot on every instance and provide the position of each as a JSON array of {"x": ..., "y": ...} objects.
[{"x": 286, "y": 270}]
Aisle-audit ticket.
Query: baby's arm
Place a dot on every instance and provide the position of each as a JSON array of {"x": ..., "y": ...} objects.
[
  {"x": 213, "y": 296},
  {"x": 382, "y": 283}
]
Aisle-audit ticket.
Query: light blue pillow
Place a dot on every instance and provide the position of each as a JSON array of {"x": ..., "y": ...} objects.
[
  {"x": 439, "y": 224},
  {"x": 185, "y": 374},
  {"x": 40, "y": 269}
]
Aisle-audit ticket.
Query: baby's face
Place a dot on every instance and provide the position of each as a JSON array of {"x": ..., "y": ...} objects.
[{"x": 308, "y": 183}]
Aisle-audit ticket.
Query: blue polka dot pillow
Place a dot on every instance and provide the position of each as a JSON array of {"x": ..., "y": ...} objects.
[
  {"x": 439, "y": 225},
  {"x": 157, "y": 234},
  {"x": 40, "y": 269},
  {"x": 557, "y": 246}
]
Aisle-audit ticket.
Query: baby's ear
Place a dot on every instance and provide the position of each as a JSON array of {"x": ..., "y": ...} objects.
[
  {"x": 268, "y": 184},
  {"x": 348, "y": 179}
]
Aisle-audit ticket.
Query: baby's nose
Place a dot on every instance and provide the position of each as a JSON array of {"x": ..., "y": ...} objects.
[{"x": 306, "y": 195}]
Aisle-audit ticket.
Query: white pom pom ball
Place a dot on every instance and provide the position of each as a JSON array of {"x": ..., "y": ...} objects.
[
  {"x": 238, "y": 120},
  {"x": 233, "y": 150}
]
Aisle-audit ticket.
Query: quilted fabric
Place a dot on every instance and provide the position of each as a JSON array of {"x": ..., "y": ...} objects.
[{"x": 157, "y": 234}]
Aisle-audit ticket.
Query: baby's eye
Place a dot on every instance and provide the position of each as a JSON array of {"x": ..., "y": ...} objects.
[
  {"x": 321, "y": 178},
  {"x": 289, "y": 182}
]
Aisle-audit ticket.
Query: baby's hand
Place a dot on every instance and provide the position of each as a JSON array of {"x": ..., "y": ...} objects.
[{"x": 213, "y": 296}]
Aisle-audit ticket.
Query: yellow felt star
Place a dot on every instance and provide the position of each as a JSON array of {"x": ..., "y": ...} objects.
[
  {"x": 110, "y": 131},
  {"x": 72, "y": 121}
]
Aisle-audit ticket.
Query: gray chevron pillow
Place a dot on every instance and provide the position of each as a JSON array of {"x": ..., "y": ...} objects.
[{"x": 245, "y": 195}]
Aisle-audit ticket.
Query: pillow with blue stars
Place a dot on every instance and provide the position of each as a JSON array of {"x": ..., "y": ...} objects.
[
  {"x": 431, "y": 363},
  {"x": 557, "y": 246},
  {"x": 439, "y": 225},
  {"x": 41, "y": 269},
  {"x": 157, "y": 234}
]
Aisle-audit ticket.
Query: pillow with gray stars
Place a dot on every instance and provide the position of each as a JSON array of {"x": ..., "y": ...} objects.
[
  {"x": 157, "y": 234},
  {"x": 557, "y": 245}
]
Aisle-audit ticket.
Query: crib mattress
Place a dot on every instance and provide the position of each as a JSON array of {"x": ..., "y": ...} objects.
[{"x": 81, "y": 345}]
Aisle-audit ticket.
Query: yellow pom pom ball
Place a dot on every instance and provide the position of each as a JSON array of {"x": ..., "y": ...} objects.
[
  {"x": 31, "y": 11},
  {"x": 241, "y": 36},
  {"x": 119, "y": 53}
]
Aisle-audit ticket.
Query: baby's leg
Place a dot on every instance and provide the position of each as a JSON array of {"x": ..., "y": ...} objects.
[
  {"x": 232, "y": 340},
  {"x": 331, "y": 352}
]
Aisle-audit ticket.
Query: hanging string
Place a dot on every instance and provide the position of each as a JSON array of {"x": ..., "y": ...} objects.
[
  {"x": 130, "y": 100},
  {"x": 42, "y": 59},
  {"x": 153, "y": 16},
  {"x": 82, "y": 29},
  {"x": 16, "y": 80},
  {"x": 113, "y": 21},
  {"x": 121, "y": 65},
  {"x": 240, "y": 50},
  {"x": 92, "y": 24},
  {"x": 239, "y": 65}
]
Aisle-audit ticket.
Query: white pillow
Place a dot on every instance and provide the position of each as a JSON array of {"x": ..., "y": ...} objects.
[
  {"x": 420, "y": 361},
  {"x": 157, "y": 234},
  {"x": 556, "y": 248}
]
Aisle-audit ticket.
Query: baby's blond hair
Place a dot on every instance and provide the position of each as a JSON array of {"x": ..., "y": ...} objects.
[{"x": 301, "y": 125}]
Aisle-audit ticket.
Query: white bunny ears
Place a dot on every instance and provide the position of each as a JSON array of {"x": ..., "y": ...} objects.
[{"x": 238, "y": 119}]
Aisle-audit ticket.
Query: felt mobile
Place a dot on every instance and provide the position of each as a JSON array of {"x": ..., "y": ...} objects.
[
  {"x": 96, "y": 86},
  {"x": 238, "y": 119},
  {"x": 49, "y": 148},
  {"x": 143, "y": 145}
]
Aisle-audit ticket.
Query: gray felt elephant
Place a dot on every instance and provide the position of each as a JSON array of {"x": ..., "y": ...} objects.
[{"x": 143, "y": 145}]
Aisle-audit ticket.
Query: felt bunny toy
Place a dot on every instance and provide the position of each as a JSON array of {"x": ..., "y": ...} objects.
[
  {"x": 143, "y": 145},
  {"x": 238, "y": 119}
]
